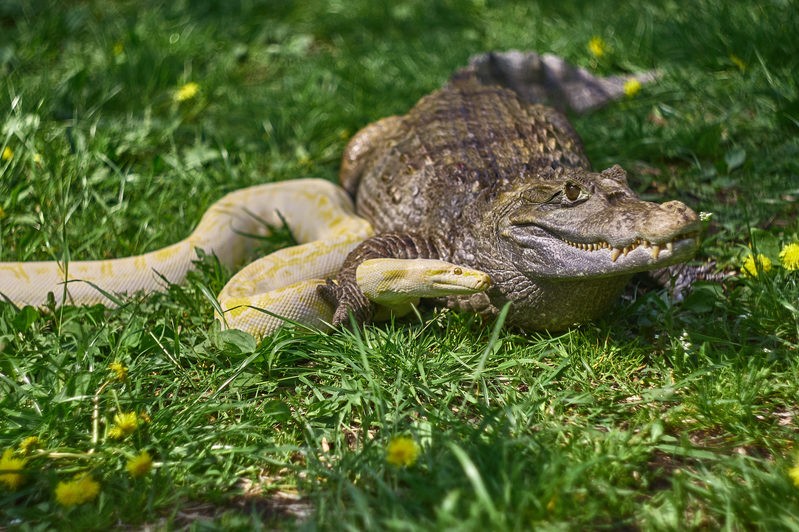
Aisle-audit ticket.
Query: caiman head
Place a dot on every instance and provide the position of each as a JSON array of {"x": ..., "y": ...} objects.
[{"x": 571, "y": 240}]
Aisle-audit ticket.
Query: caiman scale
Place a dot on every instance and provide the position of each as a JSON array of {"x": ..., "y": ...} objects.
[
  {"x": 476, "y": 185},
  {"x": 476, "y": 176}
]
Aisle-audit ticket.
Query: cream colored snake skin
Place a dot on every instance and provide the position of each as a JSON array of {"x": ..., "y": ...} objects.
[{"x": 260, "y": 297}]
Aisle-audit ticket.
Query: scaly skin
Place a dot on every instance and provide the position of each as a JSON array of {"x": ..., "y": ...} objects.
[
  {"x": 472, "y": 176},
  {"x": 475, "y": 176},
  {"x": 284, "y": 283},
  {"x": 265, "y": 294}
]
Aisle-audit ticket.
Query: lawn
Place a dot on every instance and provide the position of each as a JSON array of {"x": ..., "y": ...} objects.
[{"x": 663, "y": 415}]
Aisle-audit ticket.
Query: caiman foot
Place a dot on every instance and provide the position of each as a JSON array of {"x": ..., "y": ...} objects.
[
  {"x": 679, "y": 278},
  {"x": 546, "y": 78},
  {"x": 350, "y": 304},
  {"x": 395, "y": 285}
]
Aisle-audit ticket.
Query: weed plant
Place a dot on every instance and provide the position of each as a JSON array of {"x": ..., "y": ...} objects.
[{"x": 121, "y": 122}]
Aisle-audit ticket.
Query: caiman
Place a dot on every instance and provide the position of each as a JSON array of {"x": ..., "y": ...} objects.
[
  {"x": 477, "y": 176},
  {"x": 477, "y": 185}
]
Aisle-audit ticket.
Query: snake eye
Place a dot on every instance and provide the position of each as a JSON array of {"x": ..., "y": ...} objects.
[
  {"x": 572, "y": 191},
  {"x": 457, "y": 271}
]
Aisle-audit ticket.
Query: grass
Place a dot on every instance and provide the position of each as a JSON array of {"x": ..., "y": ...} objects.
[{"x": 663, "y": 415}]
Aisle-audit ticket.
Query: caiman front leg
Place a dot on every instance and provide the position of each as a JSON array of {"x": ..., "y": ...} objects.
[
  {"x": 678, "y": 279},
  {"x": 394, "y": 270},
  {"x": 347, "y": 297}
]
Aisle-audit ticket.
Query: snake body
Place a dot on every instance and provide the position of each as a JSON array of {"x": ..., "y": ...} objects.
[
  {"x": 319, "y": 214},
  {"x": 263, "y": 295},
  {"x": 477, "y": 177}
]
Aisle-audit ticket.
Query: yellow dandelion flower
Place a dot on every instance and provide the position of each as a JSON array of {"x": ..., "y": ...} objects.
[
  {"x": 402, "y": 451},
  {"x": 28, "y": 444},
  {"x": 789, "y": 256},
  {"x": 597, "y": 46},
  {"x": 140, "y": 465},
  {"x": 737, "y": 61},
  {"x": 794, "y": 472},
  {"x": 187, "y": 92},
  {"x": 632, "y": 87},
  {"x": 10, "y": 470},
  {"x": 8, "y": 154},
  {"x": 752, "y": 266},
  {"x": 125, "y": 423},
  {"x": 82, "y": 489},
  {"x": 119, "y": 369}
]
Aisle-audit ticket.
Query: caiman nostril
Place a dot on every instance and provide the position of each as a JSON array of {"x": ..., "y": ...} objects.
[
  {"x": 675, "y": 206},
  {"x": 616, "y": 196}
]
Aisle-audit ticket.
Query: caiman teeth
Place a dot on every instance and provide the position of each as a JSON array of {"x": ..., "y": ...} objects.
[
  {"x": 655, "y": 251},
  {"x": 593, "y": 246},
  {"x": 616, "y": 252}
]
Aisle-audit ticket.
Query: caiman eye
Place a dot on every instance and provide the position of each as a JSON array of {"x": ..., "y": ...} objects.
[{"x": 572, "y": 191}]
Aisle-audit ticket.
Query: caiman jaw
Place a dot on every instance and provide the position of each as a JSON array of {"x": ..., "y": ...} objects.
[
  {"x": 546, "y": 254},
  {"x": 616, "y": 252},
  {"x": 569, "y": 243}
]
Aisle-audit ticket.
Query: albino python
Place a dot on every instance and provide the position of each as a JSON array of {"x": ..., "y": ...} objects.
[
  {"x": 476, "y": 195},
  {"x": 284, "y": 283}
]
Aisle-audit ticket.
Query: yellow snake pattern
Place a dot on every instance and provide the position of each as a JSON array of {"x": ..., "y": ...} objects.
[
  {"x": 319, "y": 214},
  {"x": 267, "y": 292}
]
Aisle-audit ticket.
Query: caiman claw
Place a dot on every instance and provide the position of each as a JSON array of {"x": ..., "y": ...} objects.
[{"x": 350, "y": 304}]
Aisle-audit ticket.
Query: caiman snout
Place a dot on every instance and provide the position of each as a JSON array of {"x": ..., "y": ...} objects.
[
  {"x": 678, "y": 207},
  {"x": 667, "y": 220}
]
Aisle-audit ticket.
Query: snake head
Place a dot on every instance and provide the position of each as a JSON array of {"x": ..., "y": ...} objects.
[{"x": 397, "y": 281}]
